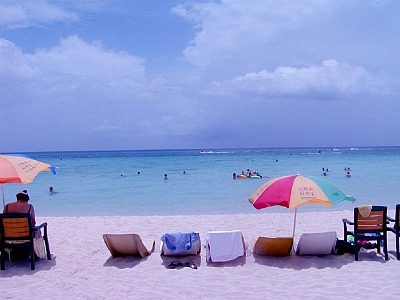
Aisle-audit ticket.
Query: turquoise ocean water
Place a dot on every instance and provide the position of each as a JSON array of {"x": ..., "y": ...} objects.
[{"x": 90, "y": 183}]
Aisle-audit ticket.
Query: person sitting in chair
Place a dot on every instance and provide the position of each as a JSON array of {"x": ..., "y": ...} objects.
[{"x": 22, "y": 206}]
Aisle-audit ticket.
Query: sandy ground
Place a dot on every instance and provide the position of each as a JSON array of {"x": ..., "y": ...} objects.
[{"x": 81, "y": 266}]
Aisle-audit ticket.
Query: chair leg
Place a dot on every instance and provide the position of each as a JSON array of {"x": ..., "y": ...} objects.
[
  {"x": 46, "y": 242},
  {"x": 355, "y": 250},
  {"x": 32, "y": 257},
  {"x": 385, "y": 248},
  {"x": 9, "y": 254},
  {"x": 3, "y": 260},
  {"x": 397, "y": 245}
]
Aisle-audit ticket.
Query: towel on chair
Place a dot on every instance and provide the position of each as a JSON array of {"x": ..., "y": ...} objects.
[
  {"x": 179, "y": 241},
  {"x": 365, "y": 210},
  {"x": 224, "y": 245}
]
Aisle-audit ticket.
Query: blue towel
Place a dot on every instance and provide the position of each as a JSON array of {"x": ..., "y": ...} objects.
[{"x": 179, "y": 241}]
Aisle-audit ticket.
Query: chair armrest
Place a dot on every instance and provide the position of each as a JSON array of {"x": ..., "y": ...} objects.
[
  {"x": 390, "y": 219},
  {"x": 347, "y": 222},
  {"x": 43, "y": 225}
]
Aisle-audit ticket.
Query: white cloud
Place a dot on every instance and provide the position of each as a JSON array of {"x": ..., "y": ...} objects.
[
  {"x": 82, "y": 83},
  {"x": 233, "y": 31},
  {"x": 20, "y": 14},
  {"x": 238, "y": 37},
  {"x": 14, "y": 63},
  {"x": 330, "y": 79},
  {"x": 71, "y": 65},
  {"x": 91, "y": 62}
]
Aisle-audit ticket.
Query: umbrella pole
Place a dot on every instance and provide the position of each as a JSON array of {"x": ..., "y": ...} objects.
[
  {"x": 294, "y": 227},
  {"x": 294, "y": 222},
  {"x": 2, "y": 192}
]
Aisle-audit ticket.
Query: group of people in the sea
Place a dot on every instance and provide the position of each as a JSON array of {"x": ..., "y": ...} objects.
[
  {"x": 249, "y": 174},
  {"x": 253, "y": 174},
  {"x": 165, "y": 175},
  {"x": 325, "y": 171},
  {"x": 346, "y": 169}
]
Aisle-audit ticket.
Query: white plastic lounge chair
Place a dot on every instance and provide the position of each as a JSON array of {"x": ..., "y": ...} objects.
[{"x": 322, "y": 243}]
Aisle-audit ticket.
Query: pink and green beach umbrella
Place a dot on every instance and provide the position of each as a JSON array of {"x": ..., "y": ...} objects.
[{"x": 296, "y": 190}]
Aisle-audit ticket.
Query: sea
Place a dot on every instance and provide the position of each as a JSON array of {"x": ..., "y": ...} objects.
[{"x": 200, "y": 181}]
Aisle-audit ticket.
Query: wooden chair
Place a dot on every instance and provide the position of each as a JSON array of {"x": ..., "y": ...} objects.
[
  {"x": 368, "y": 228},
  {"x": 16, "y": 232},
  {"x": 396, "y": 228}
]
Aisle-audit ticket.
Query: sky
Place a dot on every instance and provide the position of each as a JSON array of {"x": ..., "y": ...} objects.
[{"x": 132, "y": 75}]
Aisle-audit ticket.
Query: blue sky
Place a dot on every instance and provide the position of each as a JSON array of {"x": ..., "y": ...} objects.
[{"x": 102, "y": 75}]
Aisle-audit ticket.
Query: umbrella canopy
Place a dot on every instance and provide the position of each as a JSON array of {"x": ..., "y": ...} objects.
[
  {"x": 296, "y": 190},
  {"x": 21, "y": 169}
]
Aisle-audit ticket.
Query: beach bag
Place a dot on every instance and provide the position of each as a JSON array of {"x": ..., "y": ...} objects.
[
  {"x": 343, "y": 247},
  {"x": 38, "y": 246}
]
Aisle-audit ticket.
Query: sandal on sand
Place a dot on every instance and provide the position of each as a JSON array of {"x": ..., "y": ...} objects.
[
  {"x": 175, "y": 264},
  {"x": 190, "y": 264}
]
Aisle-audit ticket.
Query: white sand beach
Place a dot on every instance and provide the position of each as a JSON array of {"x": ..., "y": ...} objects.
[{"x": 82, "y": 268}]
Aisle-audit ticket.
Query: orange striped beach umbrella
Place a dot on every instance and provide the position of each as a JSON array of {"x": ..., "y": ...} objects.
[{"x": 20, "y": 169}]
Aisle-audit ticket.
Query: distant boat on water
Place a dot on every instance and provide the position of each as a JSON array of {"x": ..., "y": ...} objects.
[{"x": 213, "y": 152}]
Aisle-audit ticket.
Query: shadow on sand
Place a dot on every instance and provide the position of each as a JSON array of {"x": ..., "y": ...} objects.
[
  {"x": 23, "y": 267},
  {"x": 124, "y": 262},
  {"x": 296, "y": 262}
]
